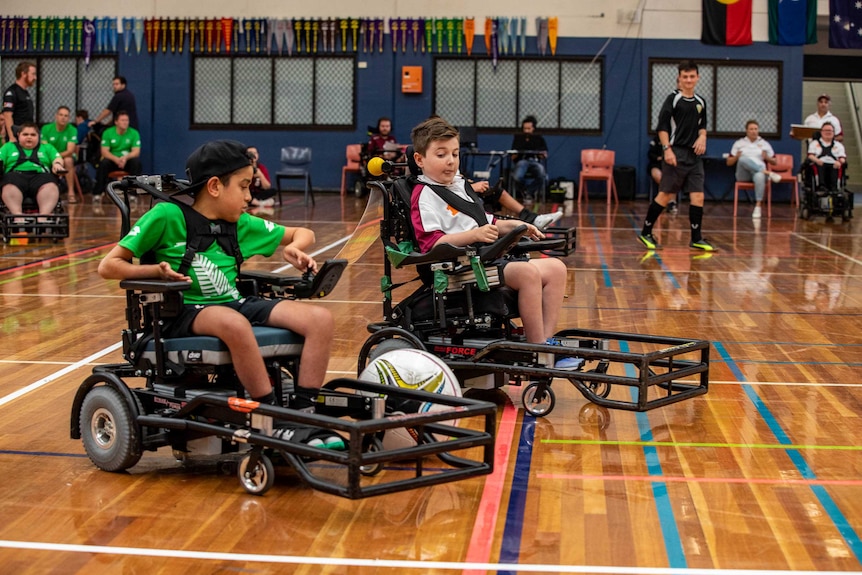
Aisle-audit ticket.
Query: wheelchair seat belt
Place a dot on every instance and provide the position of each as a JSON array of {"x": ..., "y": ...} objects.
[
  {"x": 23, "y": 158},
  {"x": 474, "y": 209},
  {"x": 201, "y": 233}
]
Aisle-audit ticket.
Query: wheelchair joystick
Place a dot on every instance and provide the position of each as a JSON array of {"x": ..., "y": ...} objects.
[{"x": 379, "y": 166}]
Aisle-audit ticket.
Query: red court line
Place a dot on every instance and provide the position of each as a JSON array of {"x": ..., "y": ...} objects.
[
  {"x": 56, "y": 258},
  {"x": 668, "y": 479},
  {"x": 479, "y": 550}
]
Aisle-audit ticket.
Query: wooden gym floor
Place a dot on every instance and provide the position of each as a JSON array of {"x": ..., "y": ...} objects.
[{"x": 764, "y": 473}]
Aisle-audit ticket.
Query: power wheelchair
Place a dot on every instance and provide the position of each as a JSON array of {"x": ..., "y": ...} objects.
[
  {"x": 31, "y": 225},
  {"x": 190, "y": 399},
  {"x": 824, "y": 192},
  {"x": 463, "y": 313}
]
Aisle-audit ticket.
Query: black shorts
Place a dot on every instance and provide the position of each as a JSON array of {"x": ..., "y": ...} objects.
[
  {"x": 255, "y": 309},
  {"x": 687, "y": 176},
  {"x": 29, "y": 182}
]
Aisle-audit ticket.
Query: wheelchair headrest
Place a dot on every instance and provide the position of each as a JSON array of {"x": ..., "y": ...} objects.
[{"x": 414, "y": 168}]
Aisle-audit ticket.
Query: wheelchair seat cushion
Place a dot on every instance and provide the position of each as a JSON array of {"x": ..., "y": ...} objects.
[{"x": 207, "y": 350}]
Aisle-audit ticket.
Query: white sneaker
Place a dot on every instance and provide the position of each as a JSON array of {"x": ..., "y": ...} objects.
[
  {"x": 756, "y": 213},
  {"x": 545, "y": 220},
  {"x": 774, "y": 177}
]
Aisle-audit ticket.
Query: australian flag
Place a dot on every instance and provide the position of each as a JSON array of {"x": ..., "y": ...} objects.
[{"x": 845, "y": 23}]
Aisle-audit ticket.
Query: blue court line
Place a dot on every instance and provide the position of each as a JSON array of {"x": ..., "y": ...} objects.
[
  {"x": 603, "y": 262},
  {"x": 829, "y": 506},
  {"x": 510, "y": 548},
  {"x": 40, "y": 453},
  {"x": 667, "y": 521}
]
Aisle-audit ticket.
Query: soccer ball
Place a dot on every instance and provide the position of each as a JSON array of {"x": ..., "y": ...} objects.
[{"x": 411, "y": 369}]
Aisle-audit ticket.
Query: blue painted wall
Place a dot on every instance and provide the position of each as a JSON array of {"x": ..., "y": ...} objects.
[{"x": 161, "y": 83}]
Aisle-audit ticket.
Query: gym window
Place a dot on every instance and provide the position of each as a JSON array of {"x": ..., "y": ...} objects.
[
  {"x": 257, "y": 92},
  {"x": 65, "y": 81},
  {"x": 735, "y": 92},
  {"x": 565, "y": 94}
]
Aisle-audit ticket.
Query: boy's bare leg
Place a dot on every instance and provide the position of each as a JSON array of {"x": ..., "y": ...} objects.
[
  {"x": 235, "y": 331},
  {"x": 316, "y": 325}
]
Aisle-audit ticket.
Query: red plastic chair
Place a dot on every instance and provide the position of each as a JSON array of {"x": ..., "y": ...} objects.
[
  {"x": 352, "y": 165},
  {"x": 597, "y": 165},
  {"x": 784, "y": 168}
]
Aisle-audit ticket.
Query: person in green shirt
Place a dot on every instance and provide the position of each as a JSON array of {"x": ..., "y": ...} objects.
[
  {"x": 27, "y": 168},
  {"x": 64, "y": 137},
  {"x": 221, "y": 172},
  {"x": 121, "y": 151}
]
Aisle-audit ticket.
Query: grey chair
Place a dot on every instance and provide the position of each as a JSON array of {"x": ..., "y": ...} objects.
[{"x": 295, "y": 164}]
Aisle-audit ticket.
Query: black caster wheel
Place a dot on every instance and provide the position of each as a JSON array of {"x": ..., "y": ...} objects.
[
  {"x": 257, "y": 478},
  {"x": 538, "y": 399}
]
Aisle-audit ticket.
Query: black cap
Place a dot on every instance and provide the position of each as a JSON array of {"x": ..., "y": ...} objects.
[{"x": 217, "y": 158}]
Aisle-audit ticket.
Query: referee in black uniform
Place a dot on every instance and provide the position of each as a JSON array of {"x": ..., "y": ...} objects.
[
  {"x": 17, "y": 104},
  {"x": 682, "y": 133}
]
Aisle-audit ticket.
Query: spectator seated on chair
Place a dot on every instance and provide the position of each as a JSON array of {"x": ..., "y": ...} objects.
[
  {"x": 261, "y": 190},
  {"x": 30, "y": 170},
  {"x": 529, "y": 173},
  {"x": 220, "y": 173},
  {"x": 752, "y": 156},
  {"x": 63, "y": 136},
  {"x": 539, "y": 282},
  {"x": 121, "y": 152}
]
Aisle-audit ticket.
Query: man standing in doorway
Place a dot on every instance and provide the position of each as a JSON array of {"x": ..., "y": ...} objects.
[
  {"x": 123, "y": 100},
  {"x": 18, "y": 106},
  {"x": 682, "y": 133}
]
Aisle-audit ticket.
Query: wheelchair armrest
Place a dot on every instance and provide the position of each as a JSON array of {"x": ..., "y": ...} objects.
[
  {"x": 154, "y": 286},
  {"x": 439, "y": 253},
  {"x": 526, "y": 245},
  {"x": 304, "y": 287},
  {"x": 502, "y": 245}
]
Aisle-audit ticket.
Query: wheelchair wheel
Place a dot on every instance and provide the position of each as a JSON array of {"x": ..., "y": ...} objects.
[
  {"x": 538, "y": 399},
  {"x": 372, "y": 469},
  {"x": 109, "y": 432},
  {"x": 388, "y": 345},
  {"x": 258, "y": 479}
]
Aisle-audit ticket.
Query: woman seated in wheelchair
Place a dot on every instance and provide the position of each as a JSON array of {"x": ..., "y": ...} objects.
[
  {"x": 540, "y": 282},
  {"x": 30, "y": 170},
  {"x": 826, "y": 160},
  {"x": 221, "y": 173}
]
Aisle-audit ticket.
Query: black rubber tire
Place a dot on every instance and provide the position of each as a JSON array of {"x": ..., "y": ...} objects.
[
  {"x": 111, "y": 437},
  {"x": 259, "y": 480}
]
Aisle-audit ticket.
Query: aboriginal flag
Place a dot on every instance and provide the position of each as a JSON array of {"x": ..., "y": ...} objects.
[{"x": 726, "y": 22}]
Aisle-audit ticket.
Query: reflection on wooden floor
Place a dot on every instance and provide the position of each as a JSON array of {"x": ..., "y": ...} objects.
[{"x": 763, "y": 473}]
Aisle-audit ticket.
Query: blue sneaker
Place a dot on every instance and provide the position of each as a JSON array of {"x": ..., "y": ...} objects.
[{"x": 566, "y": 363}]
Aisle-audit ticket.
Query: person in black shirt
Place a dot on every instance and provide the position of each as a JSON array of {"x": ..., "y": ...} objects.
[
  {"x": 123, "y": 100},
  {"x": 17, "y": 104},
  {"x": 682, "y": 133},
  {"x": 528, "y": 165}
]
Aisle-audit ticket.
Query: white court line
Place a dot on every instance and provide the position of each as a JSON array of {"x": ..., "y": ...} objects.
[
  {"x": 388, "y": 563},
  {"x": 826, "y": 248},
  {"x": 46, "y": 380}
]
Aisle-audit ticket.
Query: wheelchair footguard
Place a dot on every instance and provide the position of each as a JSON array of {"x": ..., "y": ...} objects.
[
  {"x": 655, "y": 371},
  {"x": 35, "y": 226},
  {"x": 117, "y": 424}
]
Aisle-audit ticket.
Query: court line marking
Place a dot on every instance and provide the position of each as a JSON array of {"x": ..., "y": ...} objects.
[
  {"x": 479, "y": 548},
  {"x": 694, "y": 444},
  {"x": 827, "y": 248},
  {"x": 385, "y": 563},
  {"x": 57, "y": 374},
  {"x": 723, "y": 480}
]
